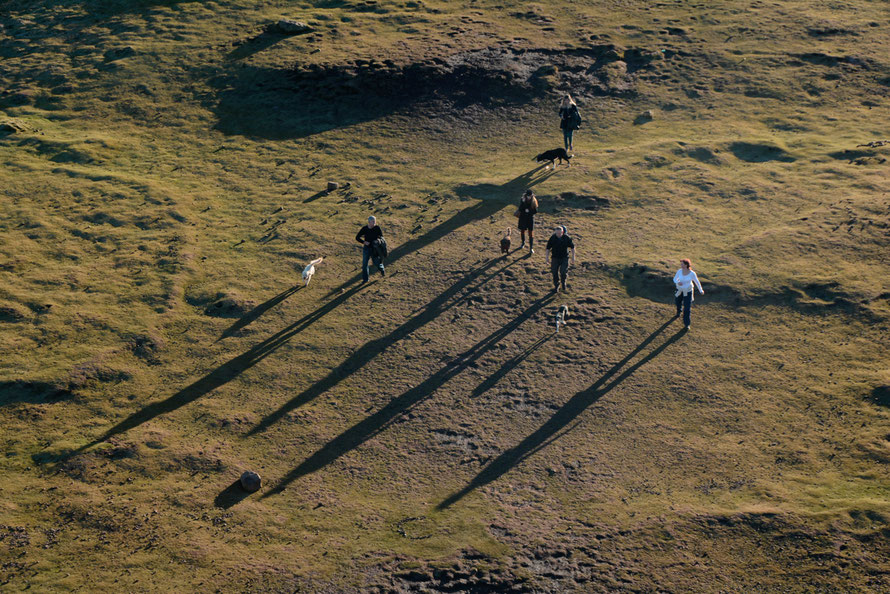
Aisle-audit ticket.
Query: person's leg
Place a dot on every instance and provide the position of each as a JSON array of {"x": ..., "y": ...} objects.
[
  {"x": 366, "y": 255},
  {"x": 379, "y": 264},
  {"x": 531, "y": 240},
  {"x": 567, "y": 137},
  {"x": 554, "y": 270},
  {"x": 678, "y": 301},
  {"x": 522, "y": 236},
  {"x": 687, "y": 309},
  {"x": 563, "y": 272}
]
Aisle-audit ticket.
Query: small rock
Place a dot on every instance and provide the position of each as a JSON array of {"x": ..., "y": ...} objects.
[
  {"x": 332, "y": 185},
  {"x": 251, "y": 481},
  {"x": 646, "y": 116},
  {"x": 292, "y": 27}
]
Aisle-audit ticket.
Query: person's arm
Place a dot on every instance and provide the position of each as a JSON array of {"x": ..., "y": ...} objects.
[
  {"x": 677, "y": 279},
  {"x": 573, "y": 255},
  {"x": 358, "y": 236},
  {"x": 697, "y": 284}
]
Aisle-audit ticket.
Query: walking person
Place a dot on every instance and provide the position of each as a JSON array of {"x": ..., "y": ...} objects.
[
  {"x": 371, "y": 236},
  {"x": 569, "y": 120},
  {"x": 558, "y": 247},
  {"x": 528, "y": 207},
  {"x": 685, "y": 279}
]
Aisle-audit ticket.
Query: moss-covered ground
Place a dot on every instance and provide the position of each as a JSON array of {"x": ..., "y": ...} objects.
[{"x": 164, "y": 174}]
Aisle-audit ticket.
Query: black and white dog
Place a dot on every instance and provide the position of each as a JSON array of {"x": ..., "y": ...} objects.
[{"x": 552, "y": 156}]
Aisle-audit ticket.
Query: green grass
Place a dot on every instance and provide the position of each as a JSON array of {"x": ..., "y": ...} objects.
[{"x": 432, "y": 421}]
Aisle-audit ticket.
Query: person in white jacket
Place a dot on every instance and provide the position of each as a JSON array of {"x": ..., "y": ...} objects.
[{"x": 684, "y": 280}]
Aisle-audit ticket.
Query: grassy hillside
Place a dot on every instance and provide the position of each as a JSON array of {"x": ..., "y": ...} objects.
[{"x": 164, "y": 174}]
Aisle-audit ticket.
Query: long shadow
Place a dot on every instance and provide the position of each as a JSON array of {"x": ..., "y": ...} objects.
[
  {"x": 492, "y": 198},
  {"x": 372, "y": 349},
  {"x": 255, "y": 44},
  {"x": 257, "y": 311},
  {"x": 398, "y": 406},
  {"x": 549, "y": 431},
  {"x": 508, "y": 366},
  {"x": 224, "y": 373}
]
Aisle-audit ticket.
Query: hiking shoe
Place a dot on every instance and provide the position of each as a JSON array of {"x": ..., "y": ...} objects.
[
  {"x": 531, "y": 250},
  {"x": 522, "y": 245},
  {"x": 382, "y": 272},
  {"x": 563, "y": 287}
]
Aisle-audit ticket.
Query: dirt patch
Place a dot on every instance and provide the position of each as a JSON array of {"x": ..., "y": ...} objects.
[
  {"x": 552, "y": 204},
  {"x": 700, "y": 153},
  {"x": 92, "y": 373},
  {"x": 312, "y": 98},
  {"x": 486, "y": 75},
  {"x": 146, "y": 347}
]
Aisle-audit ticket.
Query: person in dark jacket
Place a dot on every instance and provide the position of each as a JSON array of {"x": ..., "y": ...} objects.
[
  {"x": 558, "y": 247},
  {"x": 528, "y": 206},
  {"x": 369, "y": 237},
  {"x": 569, "y": 120}
]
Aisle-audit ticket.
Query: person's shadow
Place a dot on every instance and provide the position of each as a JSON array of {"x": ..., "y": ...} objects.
[
  {"x": 374, "y": 348},
  {"x": 222, "y": 374},
  {"x": 257, "y": 311},
  {"x": 550, "y": 430},
  {"x": 492, "y": 198},
  {"x": 398, "y": 406}
]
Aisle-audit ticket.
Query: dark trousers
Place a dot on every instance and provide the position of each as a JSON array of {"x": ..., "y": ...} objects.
[
  {"x": 368, "y": 253},
  {"x": 567, "y": 137},
  {"x": 685, "y": 302},
  {"x": 559, "y": 268}
]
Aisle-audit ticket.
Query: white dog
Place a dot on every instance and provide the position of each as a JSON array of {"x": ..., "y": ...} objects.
[
  {"x": 561, "y": 316},
  {"x": 310, "y": 270}
]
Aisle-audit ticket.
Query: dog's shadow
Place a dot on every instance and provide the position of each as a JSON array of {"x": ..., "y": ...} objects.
[{"x": 507, "y": 192}]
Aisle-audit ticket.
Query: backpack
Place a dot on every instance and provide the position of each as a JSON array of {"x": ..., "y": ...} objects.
[{"x": 575, "y": 119}]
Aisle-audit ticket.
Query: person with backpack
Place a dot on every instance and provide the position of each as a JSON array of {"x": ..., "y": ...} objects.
[
  {"x": 684, "y": 281},
  {"x": 373, "y": 247},
  {"x": 558, "y": 246},
  {"x": 569, "y": 120},
  {"x": 528, "y": 207}
]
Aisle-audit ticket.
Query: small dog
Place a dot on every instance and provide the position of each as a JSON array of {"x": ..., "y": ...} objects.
[
  {"x": 552, "y": 156},
  {"x": 310, "y": 270},
  {"x": 561, "y": 316},
  {"x": 505, "y": 242}
]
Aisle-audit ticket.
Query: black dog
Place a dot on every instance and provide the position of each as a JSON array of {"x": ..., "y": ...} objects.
[{"x": 553, "y": 155}]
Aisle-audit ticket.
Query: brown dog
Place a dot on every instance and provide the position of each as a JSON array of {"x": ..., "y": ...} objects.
[{"x": 505, "y": 242}]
